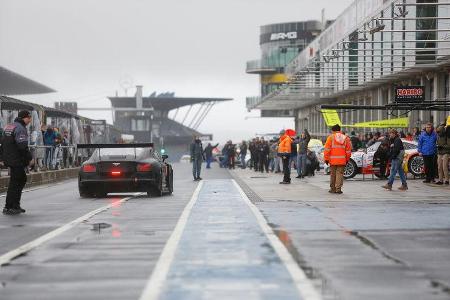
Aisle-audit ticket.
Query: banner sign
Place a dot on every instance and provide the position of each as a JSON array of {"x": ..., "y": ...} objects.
[
  {"x": 388, "y": 123},
  {"x": 331, "y": 117},
  {"x": 409, "y": 93}
]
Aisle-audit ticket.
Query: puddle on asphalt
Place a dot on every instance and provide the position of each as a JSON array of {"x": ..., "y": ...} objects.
[{"x": 99, "y": 226}]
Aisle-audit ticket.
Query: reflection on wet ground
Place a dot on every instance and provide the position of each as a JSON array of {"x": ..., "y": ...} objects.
[{"x": 223, "y": 253}]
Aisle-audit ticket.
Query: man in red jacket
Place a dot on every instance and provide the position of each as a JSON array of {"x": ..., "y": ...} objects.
[{"x": 338, "y": 150}]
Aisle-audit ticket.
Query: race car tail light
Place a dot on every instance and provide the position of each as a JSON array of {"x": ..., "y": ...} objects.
[
  {"x": 116, "y": 173},
  {"x": 144, "y": 167},
  {"x": 89, "y": 168}
]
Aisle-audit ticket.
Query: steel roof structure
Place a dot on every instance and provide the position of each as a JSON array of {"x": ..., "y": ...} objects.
[{"x": 12, "y": 83}]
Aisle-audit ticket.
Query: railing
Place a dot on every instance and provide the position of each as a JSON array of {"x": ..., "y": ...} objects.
[{"x": 53, "y": 157}]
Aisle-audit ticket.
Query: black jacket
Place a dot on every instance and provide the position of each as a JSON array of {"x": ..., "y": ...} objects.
[
  {"x": 14, "y": 150},
  {"x": 395, "y": 148},
  {"x": 209, "y": 149}
]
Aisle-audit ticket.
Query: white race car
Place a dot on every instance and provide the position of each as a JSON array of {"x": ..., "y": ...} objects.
[{"x": 368, "y": 161}]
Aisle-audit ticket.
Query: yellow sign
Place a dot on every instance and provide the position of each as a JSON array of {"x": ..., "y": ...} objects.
[
  {"x": 276, "y": 78},
  {"x": 448, "y": 121},
  {"x": 331, "y": 117},
  {"x": 388, "y": 123}
]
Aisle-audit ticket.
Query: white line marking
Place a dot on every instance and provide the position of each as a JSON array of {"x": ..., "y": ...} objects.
[
  {"x": 159, "y": 274},
  {"x": 9, "y": 256},
  {"x": 303, "y": 284}
]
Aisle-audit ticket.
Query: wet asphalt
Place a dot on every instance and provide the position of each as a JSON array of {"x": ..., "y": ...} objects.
[{"x": 365, "y": 244}]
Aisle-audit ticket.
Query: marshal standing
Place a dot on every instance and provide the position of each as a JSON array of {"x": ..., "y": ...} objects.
[{"x": 16, "y": 155}]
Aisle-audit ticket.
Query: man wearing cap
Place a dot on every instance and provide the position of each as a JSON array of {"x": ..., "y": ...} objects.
[
  {"x": 284, "y": 151},
  {"x": 16, "y": 155},
  {"x": 337, "y": 152}
]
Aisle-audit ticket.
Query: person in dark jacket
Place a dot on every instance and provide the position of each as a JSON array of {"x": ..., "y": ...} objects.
[
  {"x": 197, "y": 158},
  {"x": 16, "y": 155},
  {"x": 252, "y": 149},
  {"x": 443, "y": 148},
  {"x": 302, "y": 152},
  {"x": 396, "y": 155},
  {"x": 427, "y": 149},
  {"x": 231, "y": 155},
  {"x": 242, "y": 153},
  {"x": 208, "y": 154},
  {"x": 49, "y": 141},
  {"x": 356, "y": 143},
  {"x": 264, "y": 151}
]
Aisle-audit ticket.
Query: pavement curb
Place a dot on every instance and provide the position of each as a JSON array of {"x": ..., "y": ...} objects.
[{"x": 41, "y": 178}]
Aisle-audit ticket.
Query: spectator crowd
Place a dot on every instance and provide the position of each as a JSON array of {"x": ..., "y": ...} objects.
[{"x": 290, "y": 151}]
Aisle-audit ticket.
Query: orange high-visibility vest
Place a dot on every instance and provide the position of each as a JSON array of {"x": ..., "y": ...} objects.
[
  {"x": 338, "y": 149},
  {"x": 285, "y": 145}
]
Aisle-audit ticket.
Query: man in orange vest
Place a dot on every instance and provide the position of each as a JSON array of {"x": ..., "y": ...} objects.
[
  {"x": 337, "y": 152},
  {"x": 284, "y": 151}
]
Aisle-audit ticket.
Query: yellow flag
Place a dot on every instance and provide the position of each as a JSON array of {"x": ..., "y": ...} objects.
[
  {"x": 331, "y": 117},
  {"x": 448, "y": 121}
]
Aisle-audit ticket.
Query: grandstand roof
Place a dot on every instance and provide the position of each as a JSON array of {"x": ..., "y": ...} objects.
[
  {"x": 161, "y": 103},
  {"x": 12, "y": 83}
]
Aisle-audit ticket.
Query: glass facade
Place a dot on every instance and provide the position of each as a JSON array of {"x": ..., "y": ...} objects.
[{"x": 372, "y": 46}]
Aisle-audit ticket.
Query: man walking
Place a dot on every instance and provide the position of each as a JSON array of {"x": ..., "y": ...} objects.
[
  {"x": 17, "y": 156},
  {"x": 284, "y": 151},
  {"x": 302, "y": 152},
  {"x": 427, "y": 149},
  {"x": 209, "y": 155},
  {"x": 338, "y": 150},
  {"x": 396, "y": 155},
  {"x": 242, "y": 153},
  {"x": 196, "y": 158}
]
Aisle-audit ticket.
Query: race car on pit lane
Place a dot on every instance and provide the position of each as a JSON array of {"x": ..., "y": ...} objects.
[
  {"x": 121, "y": 168},
  {"x": 367, "y": 161}
]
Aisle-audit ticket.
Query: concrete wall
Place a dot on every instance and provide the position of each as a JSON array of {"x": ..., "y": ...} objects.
[{"x": 35, "y": 179}]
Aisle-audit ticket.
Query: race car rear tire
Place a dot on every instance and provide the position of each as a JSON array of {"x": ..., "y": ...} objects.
[
  {"x": 415, "y": 166},
  {"x": 85, "y": 193},
  {"x": 156, "y": 190},
  {"x": 351, "y": 169},
  {"x": 170, "y": 185}
]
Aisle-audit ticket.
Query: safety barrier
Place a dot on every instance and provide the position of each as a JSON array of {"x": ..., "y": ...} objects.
[{"x": 41, "y": 178}]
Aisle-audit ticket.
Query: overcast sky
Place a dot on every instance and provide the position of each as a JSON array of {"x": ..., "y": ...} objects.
[{"x": 89, "y": 49}]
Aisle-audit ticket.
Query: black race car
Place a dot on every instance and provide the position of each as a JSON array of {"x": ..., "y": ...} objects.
[{"x": 119, "y": 168}]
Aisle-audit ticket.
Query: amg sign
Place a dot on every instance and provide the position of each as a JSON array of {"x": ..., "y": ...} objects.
[
  {"x": 283, "y": 36},
  {"x": 409, "y": 93}
]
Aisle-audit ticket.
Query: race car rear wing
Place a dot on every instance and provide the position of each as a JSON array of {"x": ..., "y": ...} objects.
[
  {"x": 110, "y": 146},
  {"x": 136, "y": 145}
]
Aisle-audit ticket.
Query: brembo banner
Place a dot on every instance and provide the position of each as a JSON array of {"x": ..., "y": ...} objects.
[{"x": 409, "y": 93}]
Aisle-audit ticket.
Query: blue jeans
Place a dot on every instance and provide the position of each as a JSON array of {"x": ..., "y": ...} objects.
[
  {"x": 208, "y": 162},
  {"x": 396, "y": 166},
  {"x": 301, "y": 164},
  {"x": 243, "y": 166},
  {"x": 196, "y": 167},
  {"x": 48, "y": 159}
]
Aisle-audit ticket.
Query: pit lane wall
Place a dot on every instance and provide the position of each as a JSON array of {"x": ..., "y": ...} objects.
[{"x": 41, "y": 178}]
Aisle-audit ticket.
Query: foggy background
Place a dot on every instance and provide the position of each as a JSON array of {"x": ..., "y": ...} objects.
[{"x": 88, "y": 50}]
